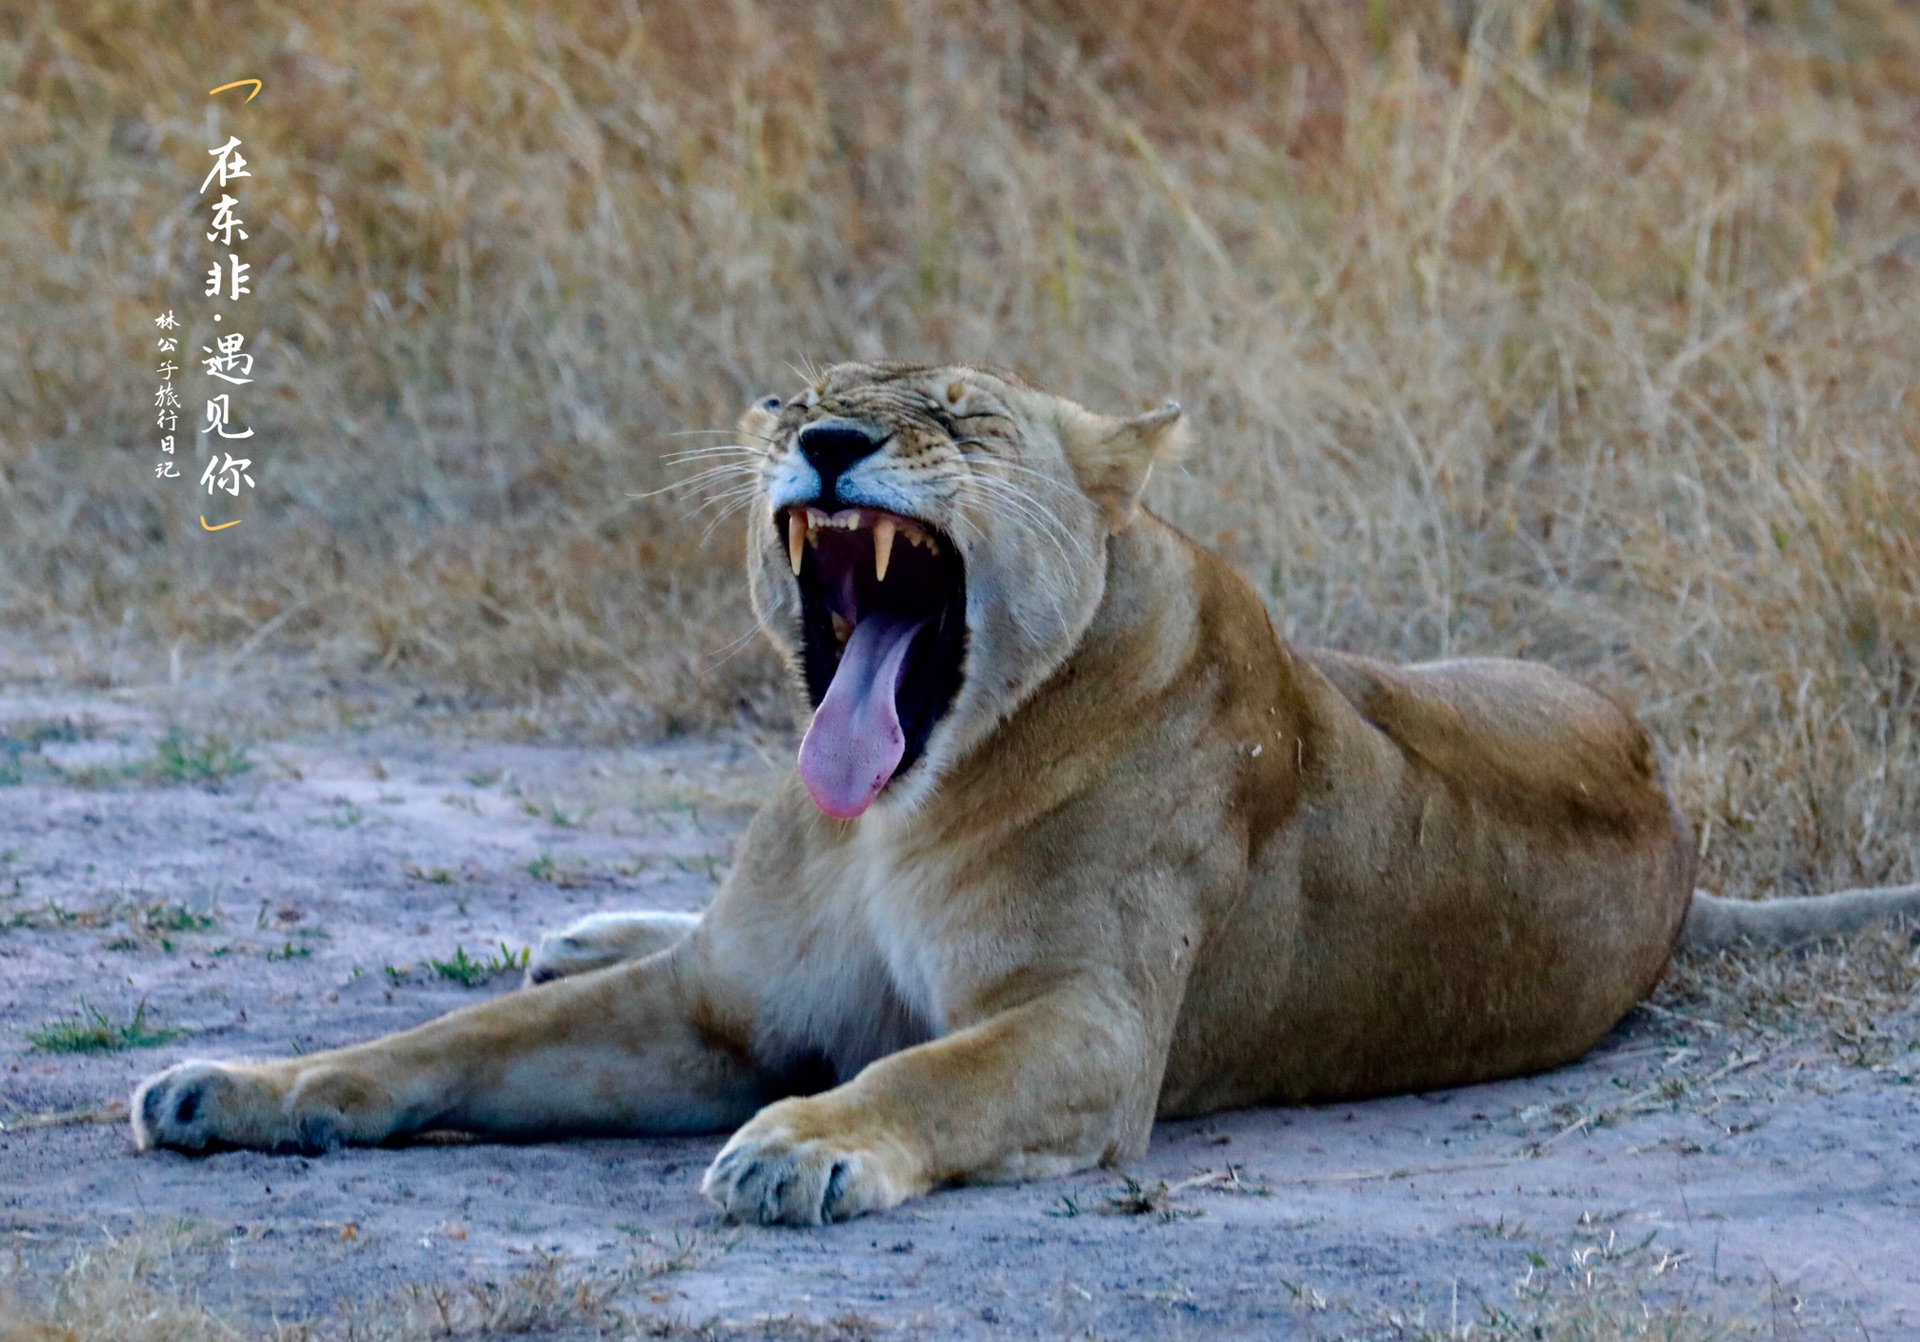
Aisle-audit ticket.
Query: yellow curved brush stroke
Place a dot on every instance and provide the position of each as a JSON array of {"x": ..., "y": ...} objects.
[
  {"x": 257, "y": 86},
  {"x": 223, "y": 526}
]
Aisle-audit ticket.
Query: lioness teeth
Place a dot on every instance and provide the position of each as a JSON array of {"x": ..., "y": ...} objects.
[
  {"x": 842, "y": 627},
  {"x": 804, "y": 525}
]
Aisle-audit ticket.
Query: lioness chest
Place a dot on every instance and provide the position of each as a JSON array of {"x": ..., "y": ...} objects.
[{"x": 870, "y": 964}]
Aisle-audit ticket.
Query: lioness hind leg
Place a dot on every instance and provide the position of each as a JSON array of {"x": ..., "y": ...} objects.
[{"x": 602, "y": 939}]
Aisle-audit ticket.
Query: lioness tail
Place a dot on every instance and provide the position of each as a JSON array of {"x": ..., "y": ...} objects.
[{"x": 1714, "y": 923}]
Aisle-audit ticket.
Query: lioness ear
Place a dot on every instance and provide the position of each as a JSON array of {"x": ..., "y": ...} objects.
[
  {"x": 1113, "y": 457},
  {"x": 759, "y": 420}
]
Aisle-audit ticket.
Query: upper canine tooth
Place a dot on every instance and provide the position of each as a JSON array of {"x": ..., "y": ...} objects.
[
  {"x": 796, "y": 540},
  {"x": 882, "y": 547}
]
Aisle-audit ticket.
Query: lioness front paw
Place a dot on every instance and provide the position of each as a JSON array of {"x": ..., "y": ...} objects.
[
  {"x": 197, "y": 1105},
  {"x": 772, "y": 1174}
]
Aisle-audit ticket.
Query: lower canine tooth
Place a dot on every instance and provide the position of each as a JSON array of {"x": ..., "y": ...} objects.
[
  {"x": 796, "y": 540},
  {"x": 842, "y": 627},
  {"x": 882, "y": 547}
]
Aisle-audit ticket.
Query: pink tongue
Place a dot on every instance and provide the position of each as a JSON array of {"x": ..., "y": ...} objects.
[{"x": 855, "y": 742}]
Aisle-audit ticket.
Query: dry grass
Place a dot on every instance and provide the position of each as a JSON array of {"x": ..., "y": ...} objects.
[
  {"x": 1592, "y": 1286},
  {"x": 139, "y": 1289},
  {"x": 1606, "y": 1291},
  {"x": 1575, "y": 330},
  {"x": 1858, "y": 998},
  {"x": 146, "y": 1288}
]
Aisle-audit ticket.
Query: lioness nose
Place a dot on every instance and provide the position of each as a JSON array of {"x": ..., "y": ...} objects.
[{"x": 832, "y": 445}]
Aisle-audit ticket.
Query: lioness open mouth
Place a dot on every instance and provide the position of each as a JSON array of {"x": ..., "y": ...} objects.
[{"x": 883, "y": 622}]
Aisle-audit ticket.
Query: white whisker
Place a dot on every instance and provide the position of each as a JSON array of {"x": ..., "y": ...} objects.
[
  {"x": 702, "y": 479},
  {"x": 1013, "y": 611},
  {"x": 1029, "y": 509},
  {"x": 722, "y": 516},
  {"x": 728, "y": 450}
]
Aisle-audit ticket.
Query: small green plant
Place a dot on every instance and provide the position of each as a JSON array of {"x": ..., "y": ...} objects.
[
  {"x": 147, "y": 920},
  {"x": 212, "y": 759},
  {"x": 705, "y": 864},
  {"x": 52, "y": 917},
  {"x": 163, "y": 917},
  {"x": 544, "y": 868},
  {"x": 469, "y": 972},
  {"x": 25, "y": 741},
  {"x": 288, "y": 952},
  {"x": 93, "y": 1031},
  {"x": 462, "y": 969},
  {"x": 556, "y": 816}
]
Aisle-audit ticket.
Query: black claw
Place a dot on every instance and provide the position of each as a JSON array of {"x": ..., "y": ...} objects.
[
  {"x": 319, "y": 1134},
  {"x": 836, "y": 1189}
]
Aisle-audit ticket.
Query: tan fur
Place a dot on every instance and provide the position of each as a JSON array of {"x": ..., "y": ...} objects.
[{"x": 1153, "y": 862}]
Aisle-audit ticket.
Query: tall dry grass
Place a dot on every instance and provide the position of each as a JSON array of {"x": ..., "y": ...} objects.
[{"x": 1576, "y": 330}]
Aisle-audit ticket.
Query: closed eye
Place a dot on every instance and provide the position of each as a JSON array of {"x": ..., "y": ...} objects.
[{"x": 950, "y": 422}]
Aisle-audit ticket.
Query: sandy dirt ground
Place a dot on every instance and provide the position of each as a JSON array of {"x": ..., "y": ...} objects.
[{"x": 303, "y": 902}]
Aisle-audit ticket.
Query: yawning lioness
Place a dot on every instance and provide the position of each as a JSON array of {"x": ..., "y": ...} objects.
[{"x": 1074, "y": 841}]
